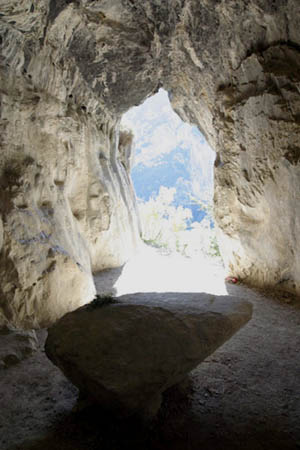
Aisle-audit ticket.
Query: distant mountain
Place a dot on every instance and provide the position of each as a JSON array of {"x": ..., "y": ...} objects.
[{"x": 169, "y": 152}]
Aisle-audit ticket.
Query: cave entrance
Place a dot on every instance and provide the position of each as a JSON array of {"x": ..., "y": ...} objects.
[{"x": 172, "y": 173}]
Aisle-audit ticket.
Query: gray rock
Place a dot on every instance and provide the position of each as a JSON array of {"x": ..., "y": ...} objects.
[
  {"x": 124, "y": 354},
  {"x": 16, "y": 345}
]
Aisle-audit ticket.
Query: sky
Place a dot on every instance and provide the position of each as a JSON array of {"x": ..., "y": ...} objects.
[{"x": 158, "y": 131}]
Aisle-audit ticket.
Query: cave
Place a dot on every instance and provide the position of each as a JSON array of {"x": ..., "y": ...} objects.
[{"x": 70, "y": 70}]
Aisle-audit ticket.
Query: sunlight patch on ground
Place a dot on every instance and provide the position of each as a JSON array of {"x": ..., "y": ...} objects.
[{"x": 150, "y": 271}]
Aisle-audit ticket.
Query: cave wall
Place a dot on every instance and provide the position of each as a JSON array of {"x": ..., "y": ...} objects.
[
  {"x": 69, "y": 69},
  {"x": 67, "y": 203},
  {"x": 244, "y": 85}
]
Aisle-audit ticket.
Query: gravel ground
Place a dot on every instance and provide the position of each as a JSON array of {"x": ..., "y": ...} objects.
[{"x": 244, "y": 396}]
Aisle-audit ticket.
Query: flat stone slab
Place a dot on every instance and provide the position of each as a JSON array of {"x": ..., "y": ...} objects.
[{"x": 124, "y": 353}]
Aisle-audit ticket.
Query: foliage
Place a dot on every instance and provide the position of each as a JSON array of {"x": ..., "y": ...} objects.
[{"x": 169, "y": 227}]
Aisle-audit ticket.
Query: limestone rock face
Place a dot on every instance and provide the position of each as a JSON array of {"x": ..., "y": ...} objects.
[
  {"x": 68, "y": 71},
  {"x": 125, "y": 354},
  {"x": 67, "y": 202},
  {"x": 241, "y": 86},
  {"x": 259, "y": 170}
]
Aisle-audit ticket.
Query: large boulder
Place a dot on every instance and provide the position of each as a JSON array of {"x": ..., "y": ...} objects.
[{"x": 125, "y": 353}]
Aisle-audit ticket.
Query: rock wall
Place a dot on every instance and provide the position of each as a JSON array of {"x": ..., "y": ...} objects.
[
  {"x": 67, "y": 203},
  {"x": 69, "y": 69},
  {"x": 244, "y": 84}
]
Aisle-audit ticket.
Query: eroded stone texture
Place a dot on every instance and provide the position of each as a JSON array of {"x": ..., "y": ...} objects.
[
  {"x": 125, "y": 354},
  {"x": 69, "y": 69},
  {"x": 260, "y": 171},
  {"x": 241, "y": 87},
  {"x": 67, "y": 203}
]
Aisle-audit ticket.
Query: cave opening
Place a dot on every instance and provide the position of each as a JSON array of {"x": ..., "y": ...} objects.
[
  {"x": 171, "y": 167},
  {"x": 68, "y": 70},
  {"x": 172, "y": 174}
]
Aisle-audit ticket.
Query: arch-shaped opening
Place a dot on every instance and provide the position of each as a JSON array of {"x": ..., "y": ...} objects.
[
  {"x": 171, "y": 166},
  {"x": 172, "y": 173}
]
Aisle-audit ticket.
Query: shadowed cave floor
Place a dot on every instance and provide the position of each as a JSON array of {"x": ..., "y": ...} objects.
[{"x": 244, "y": 396}]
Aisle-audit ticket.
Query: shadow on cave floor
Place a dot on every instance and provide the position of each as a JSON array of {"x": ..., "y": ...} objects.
[
  {"x": 177, "y": 428},
  {"x": 244, "y": 396}
]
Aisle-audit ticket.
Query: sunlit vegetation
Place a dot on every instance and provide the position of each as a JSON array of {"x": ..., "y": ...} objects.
[{"x": 171, "y": 228}]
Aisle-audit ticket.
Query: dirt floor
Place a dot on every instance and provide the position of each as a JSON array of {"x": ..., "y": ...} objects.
[{"x": 245, "y": 396}]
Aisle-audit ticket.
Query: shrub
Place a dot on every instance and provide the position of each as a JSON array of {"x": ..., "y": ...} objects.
[{"x": 169, "y": 227}]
